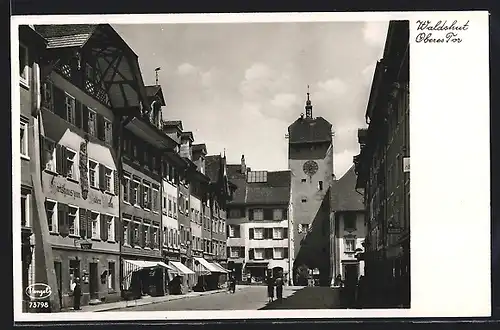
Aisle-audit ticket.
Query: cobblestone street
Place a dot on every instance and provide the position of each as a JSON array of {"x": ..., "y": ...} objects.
[{"x": 249, "y": 298}]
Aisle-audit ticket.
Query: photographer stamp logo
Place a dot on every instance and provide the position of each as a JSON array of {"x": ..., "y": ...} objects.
[
  {"x": 38, "y": 291},
  {"x": 440, "y": 31}
]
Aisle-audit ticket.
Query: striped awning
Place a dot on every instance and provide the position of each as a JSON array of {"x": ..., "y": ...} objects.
[
  {"x": 131, "y": 266},
  {"x": 183, "y": 270},
  {"x": 203, "y": 267},
  {"x": 222, "y": 269}
]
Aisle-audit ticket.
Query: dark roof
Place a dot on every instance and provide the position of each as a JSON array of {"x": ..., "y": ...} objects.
[
  {"x": 310, "y": 130},
  {"x": 212, "y": 167},
  {"x": 187, "y": 135},
  {"x": 275, "y": 191},
  {"x": 155, "y": 91},
  {"x": 67, "y": 35},
  {"x": 198, "y": 150},
  {"x": 200, "y": 147},
  {"x": 344, "y": 196}
]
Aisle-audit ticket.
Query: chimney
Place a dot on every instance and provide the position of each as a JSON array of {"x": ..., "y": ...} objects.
[{"x": 243, "y": 166}]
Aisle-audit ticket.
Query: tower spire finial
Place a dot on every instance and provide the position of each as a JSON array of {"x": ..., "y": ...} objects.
[{"x": 308, "y": 104}]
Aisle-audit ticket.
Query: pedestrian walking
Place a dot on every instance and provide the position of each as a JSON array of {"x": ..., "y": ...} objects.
[
  {"x": 270, "y": 288},
  {"x": 77, "y": 293},
  {"x": 233, "y": 284},
  {"x": 279, "y": 288}
]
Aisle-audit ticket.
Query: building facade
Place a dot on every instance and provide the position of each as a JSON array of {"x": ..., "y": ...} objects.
[
  {"x": 31, "y": 48},
  {"x": 347, "y": 231},
  {"x": 80, "y": 113},
  {"x": 383, "y": 171},
  {"x": 310, "y": 160},
  {"x": 258, "y": 224},
  {"x": 144, "y": 142}
]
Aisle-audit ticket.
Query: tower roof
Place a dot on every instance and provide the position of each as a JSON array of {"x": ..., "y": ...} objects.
[{"x": 310, "y": 130}]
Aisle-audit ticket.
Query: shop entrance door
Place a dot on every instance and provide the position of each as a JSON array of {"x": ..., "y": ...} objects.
[
  {"x": 93, "y": 281},
  {"x": 58, "y": 269}
]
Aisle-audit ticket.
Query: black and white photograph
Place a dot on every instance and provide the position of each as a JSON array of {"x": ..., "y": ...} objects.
[{"x": 221, "y": 166}]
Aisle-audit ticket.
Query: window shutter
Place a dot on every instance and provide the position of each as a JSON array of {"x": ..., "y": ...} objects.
[
  {"x": 105, "y": 234},
  {"x": 242, "y": 252},
  {"x": 100, "y": 127},
  {"x": 43, "y": 155},
  {"x": 141, "y": 235},
  {"x": 285, "y": 214},
  {"x": 62, "y": 217},
  {"x": 83, "y": 222},
  {"x": 141, "y": 195},
  {"x": 268, "y": 214},
  {"x": 102, "y": 176},
  {"x": 285, "y": 232},
  {"x": 102, "y": 226},
  {"x": 59, "y": 159},
  {"x": 250, "y": 233},
  {"x": 118, "y": 230},
  {"x": 78, "y": 114},
  {"x": 285, "y": 253},
  {"x": 89, "y": 224},
  {"x": 59, "y": 102},
  {"x": 250, "y": 214},
  {"x": 85, "y": 119},
  {"x": 116, "y": 183},
  {"x": 250, "y": 254}
]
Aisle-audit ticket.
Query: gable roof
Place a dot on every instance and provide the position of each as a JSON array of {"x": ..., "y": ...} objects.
[
  {"x": 344, "y": 196},
  {"x": 155, "y": 90},
  {"x": 122, "y": 92},
  {"x": 67, "y": 35}
]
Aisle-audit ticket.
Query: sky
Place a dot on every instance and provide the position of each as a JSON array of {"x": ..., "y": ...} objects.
[{"x": 238, "y": 86}]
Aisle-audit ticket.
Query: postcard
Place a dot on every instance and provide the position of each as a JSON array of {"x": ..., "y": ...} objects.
[{"x": 251, "y": 166}]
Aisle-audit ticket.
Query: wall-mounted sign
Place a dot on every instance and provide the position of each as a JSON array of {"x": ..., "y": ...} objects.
[
  {"x": 394, "y": 230},
  {"x": 406, "y": 164},
  {"x": 58, "y": 186}
]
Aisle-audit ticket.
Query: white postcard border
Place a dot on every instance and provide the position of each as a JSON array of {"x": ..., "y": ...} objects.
[{"x": 450, "y": 170}]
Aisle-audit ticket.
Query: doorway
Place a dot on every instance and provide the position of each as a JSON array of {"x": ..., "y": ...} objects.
[
  {"x": 58, "y": 270},
  {"x": 93, "y": 281},
  {"x": 351, "y": 272}
]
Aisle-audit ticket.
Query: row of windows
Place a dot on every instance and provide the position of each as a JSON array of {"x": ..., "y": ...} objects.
[
  {"x": 70, "y": 220},
  {"x": 260, "y": 214},
  {"x": 258, "y": 254},
  {"x": 267, "y": 233},
  {"x": 137, "y": 233},
  {"x": 267, "y": 253},
  {"x": 74, "y": 112},
  {"x": 65, "y": 161},
  {"x": 141, "y": 193}
]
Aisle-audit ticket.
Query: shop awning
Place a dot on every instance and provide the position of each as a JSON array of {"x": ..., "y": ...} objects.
[
  {"x": 206, "y": 267},
  {"x": 183, "y": 270},
  {"x": 222, "y": 269},
  {"x": 131, "y": 266},
  {"x": 140, "y": 264}
]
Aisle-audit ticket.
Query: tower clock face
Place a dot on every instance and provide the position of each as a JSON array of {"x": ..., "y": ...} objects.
[{"x": 310, "y": 167}]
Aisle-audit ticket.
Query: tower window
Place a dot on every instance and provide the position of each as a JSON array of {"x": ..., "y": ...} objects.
[
  {"x": 304, "y": 200},
  {"x": 303, "y": 180},
  {"x": 320, "y": 185}
]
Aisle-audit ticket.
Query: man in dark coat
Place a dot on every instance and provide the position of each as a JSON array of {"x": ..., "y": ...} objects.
[{"x": 77, "y": 294}]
